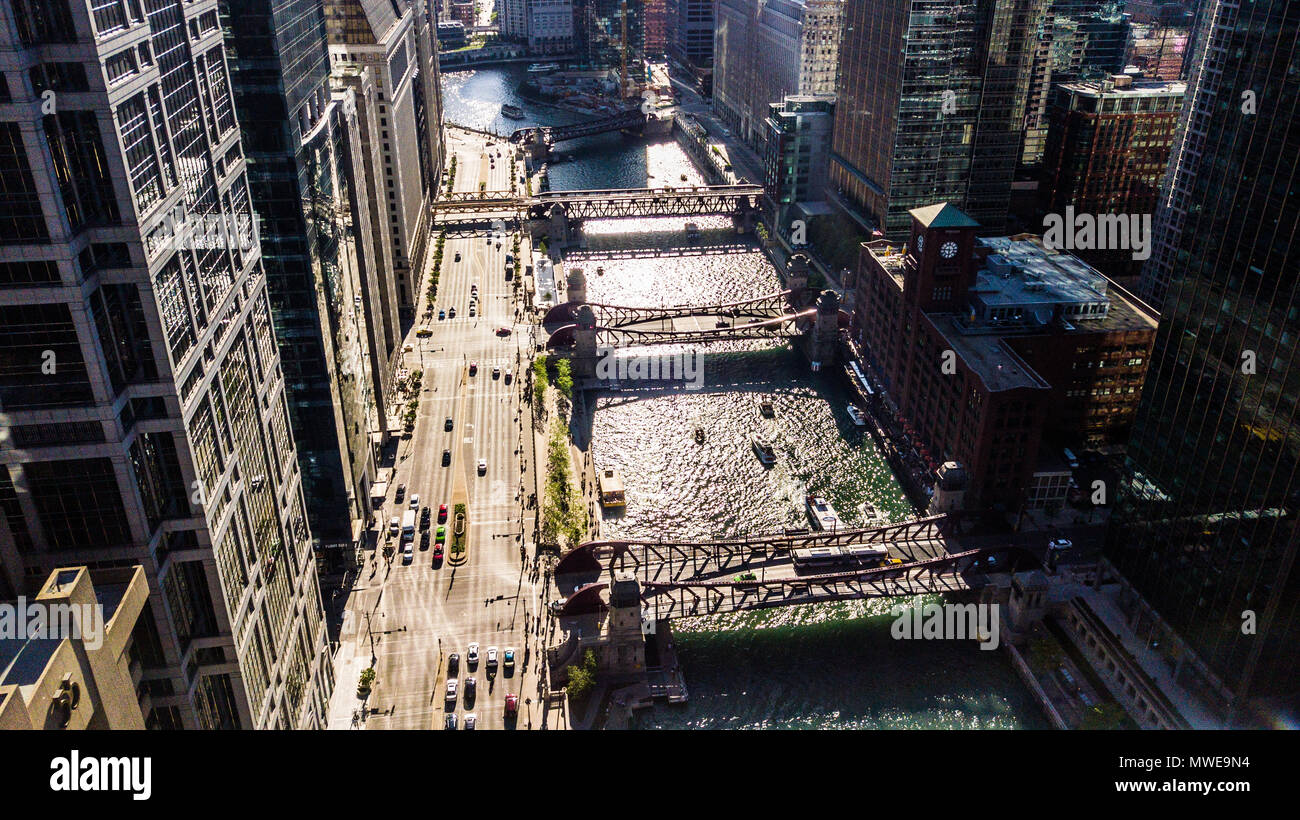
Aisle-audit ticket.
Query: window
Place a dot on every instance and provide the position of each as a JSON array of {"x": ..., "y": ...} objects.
[
  {"x": 21, "y": 218},
  {"x": 79, "y": 503}
]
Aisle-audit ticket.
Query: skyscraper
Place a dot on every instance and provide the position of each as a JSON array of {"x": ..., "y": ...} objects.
[
  {"x": 142, "y": 393},
  {"x": 1205, "y": 527},
  {"x": 931, "y": 108},
  {"x": 279, "y": 66}
]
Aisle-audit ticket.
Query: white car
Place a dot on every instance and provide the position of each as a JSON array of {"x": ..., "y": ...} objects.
[
  {"x": 1060, "y": 544},
  {"x": 415, "y": 501},
  {"x": 408, "y": 552},
  {"x": 482, "y": 466},
  {"x": 452, "y": 683},
  {"x": 492, "y": 657},
  {"x": 471, "y": 720},
  {"x": 472, "y": 655}
]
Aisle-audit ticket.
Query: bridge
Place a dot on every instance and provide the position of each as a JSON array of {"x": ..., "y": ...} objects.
[
  {"x": 485, "y": 207},
  {"x": 957, "y": 572},
  {"x": 662, "y": 560},
  {"x": 543, "y": 137},
  {"x": 619, "y": 316}
]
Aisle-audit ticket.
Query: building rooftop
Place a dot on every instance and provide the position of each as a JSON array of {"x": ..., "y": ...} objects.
[
  {"x": 1128, "y": 87},
  {"x": 943, "y": 215},
  {"x": 987, "y": 356}
]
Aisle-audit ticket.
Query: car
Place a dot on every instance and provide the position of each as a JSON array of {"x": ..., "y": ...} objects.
[
  {"x": 451, "y": 690},
  {"x": 415, "y": 501},
  {"x": 442, "y": 314},
  {"x": 457, "y": 256},
  {"x": 473, "y": 368},
  {"x": 508, "y": 658},
  {"x": 425, "y": 515},
  {"x": 556, "y": 606},
  {"x": 503, "y": 331},
  {"x": 472, "y": 311},
  {"x": 424, "y": 333},
  {"x": 496, "y": 372},
  {"x": 512, "y": 705},
  {"x": 471, "y": 720},
  {"x": 453, "y": 664},
  {"x": 446, "y": 457},
  {"x": 401, "y": 493},
  {"x": 408, "y": 552},
  {"x": 408, "y": 347},
  {"x": 491, "y": 657},
  {"x": 437, "y": 552},
  {"x": 442, "y": 513},
  {"x": 1060, "y": 544},
  {"x": 472, "y": 655},
  {"x": 471, "y": 687},
  {"x": 510, "y": 375},
  {"x": 451, "y": 721},
  {"x": 424, "y": 541},
  {"x": 451, "y": 313},
  {"x": 482, "y": 466},
  {"x": 448, "y": 424},
  {"x": 394, "y": 526},
  {"x": 441, "y": 535}
]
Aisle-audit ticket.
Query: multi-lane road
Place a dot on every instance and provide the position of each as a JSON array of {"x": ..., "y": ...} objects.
[{"x": 415, "y": 615}]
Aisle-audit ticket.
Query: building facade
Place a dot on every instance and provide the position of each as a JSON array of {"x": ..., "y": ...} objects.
[
  {"x": 397, "y": 44},
  {"x": 550, "y": 26},
  {"x": 158, "y": 432},
  {"x": 656, "y": 27},
  {"x": 690, "y": 33},
  {"x": 291, "y": 132},
  {"x": 1108, "y": 147},
  {"x": 797, "y": 158},
  {"x": 766, "y": 51},
  {"x": 931, "y": 108},
  {"x": 997, "y": 350},
  {"x": 1205, "y": 528}
]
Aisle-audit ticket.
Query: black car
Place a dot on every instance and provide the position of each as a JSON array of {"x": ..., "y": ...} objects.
[
  {"x": 425, "y": 515},
  {"x": 453, "y": 664},
  {"x": 446, "y": 457},
  {"x": 424, "y": 540},
  {"x": 401, "y": 493},
  {"x": 447, "y": 425}
]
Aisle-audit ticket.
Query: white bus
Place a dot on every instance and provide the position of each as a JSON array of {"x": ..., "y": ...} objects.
[{"x": 408, "y": 525}]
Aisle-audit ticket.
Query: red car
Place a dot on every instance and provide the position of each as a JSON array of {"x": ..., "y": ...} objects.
[
  {"x": 442, "y": 513},
  {"x": 437, "y": 552},
  {"x": 512, "y": 705}
]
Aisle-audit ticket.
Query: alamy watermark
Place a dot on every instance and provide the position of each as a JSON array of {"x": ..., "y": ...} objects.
[
  {"x": 1098, "y": 232},
  {"x": 946, "y": 622},
  {"x": 686, "y": 366},
  {"x": 24, "y": 620},
  {"x": 182, "y": 231}
]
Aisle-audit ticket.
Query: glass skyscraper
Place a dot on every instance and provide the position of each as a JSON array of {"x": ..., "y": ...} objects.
[
  {"x": 1205, "y": 526},
  {"x": 143, "y": 416}
]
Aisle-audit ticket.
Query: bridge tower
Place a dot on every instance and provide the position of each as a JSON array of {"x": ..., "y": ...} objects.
[
  {"x": 824, "y": 345},
  {"x": 559, "y": 233},
  {"x": 626, "y": 648},
  {"x": 576, "y": 290},
  {"x": 585, "y": 355},
  {"x": 796, "y": 275},
  {"x": 745, "y": 217}
]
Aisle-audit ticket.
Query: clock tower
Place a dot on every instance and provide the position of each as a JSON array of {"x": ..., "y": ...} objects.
[{"x": 942, "y": 256}]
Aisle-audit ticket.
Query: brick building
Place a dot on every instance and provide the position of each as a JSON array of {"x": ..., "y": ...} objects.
[{"x": 996, "y": 351}]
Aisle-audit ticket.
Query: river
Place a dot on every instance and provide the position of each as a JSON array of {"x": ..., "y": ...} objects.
[{"x": 819, "y": 666}]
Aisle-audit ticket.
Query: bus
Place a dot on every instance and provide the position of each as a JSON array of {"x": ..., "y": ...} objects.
[
  {"x": 847, "y": 557},
  {"x": 408, "y": 525}
]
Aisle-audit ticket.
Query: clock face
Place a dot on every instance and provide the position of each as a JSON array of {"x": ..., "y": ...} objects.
[
  {"x": 948, "y": 250},
  {"x": 920, "y": 243}
]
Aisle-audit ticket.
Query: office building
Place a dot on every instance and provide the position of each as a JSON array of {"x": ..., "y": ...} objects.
[
  {"x": 796, "y": 162},
  {"x": 290, "y": 127},
  {"x": 1205, "y": 529},
  {"x": 690, "y": 33},
  {"x": 157, "y": 433},
  {"x": 656, "y": 27},
  {"x": 605, "y": 29},
  {"x": 931, "y": 108},
  {"x": 550, "y": 26},
  {"x": 997, "y": 351},
  {"x": 763, "y": 52},
  {"x": 80, "y": 670},
  {"x": 1107, "y": 150}
]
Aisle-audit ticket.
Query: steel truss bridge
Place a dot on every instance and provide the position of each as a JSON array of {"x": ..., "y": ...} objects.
[
  {"x": 948, "y": 573},
  {"x": 551, "y": 134},
  {"x": 613, "y": 317},
  {"x": 661, "y": 560},
  {"x": 700, "y": 200},
  {"x": 781, "y": 327}
]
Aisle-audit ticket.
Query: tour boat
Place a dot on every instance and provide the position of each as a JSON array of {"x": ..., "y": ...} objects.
[
  {"x": 514, "y": 112},
  {"x": 699, "y": 435},
  {"x": 821, "y": 513},
  {"x": 766, "y": 408},
  {"x": 610, "y": 486},
  {"x": 857, "y": 415},
  {"x": 763, "y": 449}
]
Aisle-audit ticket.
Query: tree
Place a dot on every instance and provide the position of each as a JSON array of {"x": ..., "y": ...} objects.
[
  {"x": 564, "y": 378},
  {"x": 583, "y": 678}
]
